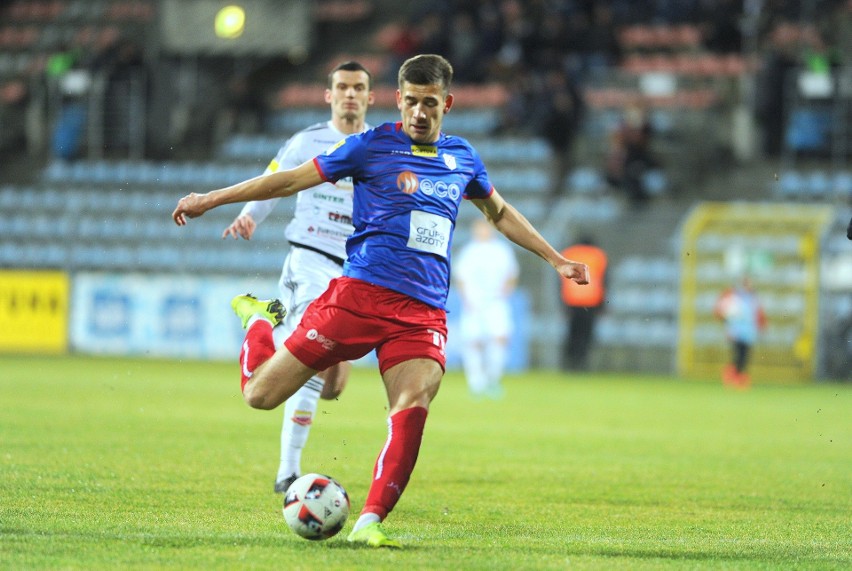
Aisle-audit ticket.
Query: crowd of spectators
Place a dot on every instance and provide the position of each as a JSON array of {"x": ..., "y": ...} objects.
[{"x": 546, "y": 52}]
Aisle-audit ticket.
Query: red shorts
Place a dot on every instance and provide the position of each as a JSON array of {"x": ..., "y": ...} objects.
[{"x": 353, "y": 317}]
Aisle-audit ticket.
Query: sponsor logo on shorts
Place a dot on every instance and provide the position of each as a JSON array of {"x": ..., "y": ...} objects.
[
  {"x": 327, "y": 344},
  {"x": 303, "y": 417}
]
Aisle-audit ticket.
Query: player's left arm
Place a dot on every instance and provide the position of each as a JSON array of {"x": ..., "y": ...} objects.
[
  {"x": 278, "y": 184},
  {"x": 518, "y": 229}
]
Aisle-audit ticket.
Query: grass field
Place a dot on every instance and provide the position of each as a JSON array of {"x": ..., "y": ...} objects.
[{"x": 120, "y": 464}]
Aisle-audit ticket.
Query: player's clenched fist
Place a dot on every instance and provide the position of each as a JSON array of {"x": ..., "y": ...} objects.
[
  {"x": 190, "y": 206},
  {"x": 575, "y": 271}
]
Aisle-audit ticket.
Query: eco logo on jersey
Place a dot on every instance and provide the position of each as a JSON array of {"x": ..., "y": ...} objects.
[
  {"x": 424, "y": 151},
  {"x": 407, "y": 182}
]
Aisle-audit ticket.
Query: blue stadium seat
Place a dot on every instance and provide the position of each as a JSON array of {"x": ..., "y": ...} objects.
[
  {"x": 842, "y": 185},
  {"x": 791, "y": 185},
  {"x": 586, "y": 180},
  {"x": 818, "y": 185}
]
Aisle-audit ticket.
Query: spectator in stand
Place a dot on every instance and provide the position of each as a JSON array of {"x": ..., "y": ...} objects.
[
  {"x": 630, "y": 156},
  {"x": 601, "y": 48},
  {"x": 463, "y": 46},
  {"x": 739, "y": 308},
  {"x": 560, "y": 126},
  {"x": 582, "y": 306},
  {"x": 779, "y": 60}
]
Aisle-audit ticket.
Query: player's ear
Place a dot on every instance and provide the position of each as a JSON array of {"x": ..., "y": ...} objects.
[
  {"x": 399, "y": 99},
  {"x": 328, "y": 95},
  {"x": 448, "y": 103},
  {"x": 371, "y": 98}
]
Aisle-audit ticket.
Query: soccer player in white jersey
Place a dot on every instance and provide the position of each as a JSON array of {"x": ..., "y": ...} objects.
[
  {"x": 409, "y": 179},
  {"x": 317, "y": 235},
  {"x": 486, "y": 274}
]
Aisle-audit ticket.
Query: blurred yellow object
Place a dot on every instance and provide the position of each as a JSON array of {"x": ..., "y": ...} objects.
[{"x": 230, "y": 22}]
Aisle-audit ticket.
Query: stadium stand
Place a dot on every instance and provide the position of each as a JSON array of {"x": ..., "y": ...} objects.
[{"x": 109, "y": 210}]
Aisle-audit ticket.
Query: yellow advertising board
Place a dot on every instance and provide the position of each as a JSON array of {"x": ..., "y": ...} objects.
[
  {"x": 34, "y": 311},
  {"x": 777, "y": 246}
]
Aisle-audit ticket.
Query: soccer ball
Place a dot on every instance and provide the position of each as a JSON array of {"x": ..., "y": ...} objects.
[{"x": 316, "y": 506}]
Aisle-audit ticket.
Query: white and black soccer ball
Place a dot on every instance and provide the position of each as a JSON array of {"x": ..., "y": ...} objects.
[{"x": 316, "y": 506}]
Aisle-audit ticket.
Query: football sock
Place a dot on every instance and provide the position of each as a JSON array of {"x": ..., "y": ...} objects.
[
  {"x": 257, "y": 348},
  {"x": 474, "y": 369},
  {"x": 396, "y": 462},
  {"x": 299, "y": 412},
  {"x": 495, "y": 364},
  {"x": 365, "y": 519}
]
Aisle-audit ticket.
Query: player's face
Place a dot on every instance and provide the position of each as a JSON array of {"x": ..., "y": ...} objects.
[
  {"x": 423, "y": 108},
  {"x": 349, "y": 94}
]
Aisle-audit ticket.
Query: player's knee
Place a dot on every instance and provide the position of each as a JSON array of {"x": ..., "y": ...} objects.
[
  {"x": 330, "y": 393},
  {"x": 257, "y": 400}
]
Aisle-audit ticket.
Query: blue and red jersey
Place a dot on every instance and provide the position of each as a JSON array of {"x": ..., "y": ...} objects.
[{"x": 406, "y": 200}]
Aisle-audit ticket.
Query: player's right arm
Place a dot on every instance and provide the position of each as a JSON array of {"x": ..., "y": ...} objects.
[{"x": 279, "y": 184}]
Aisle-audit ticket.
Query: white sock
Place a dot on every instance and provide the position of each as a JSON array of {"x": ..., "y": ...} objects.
[
  {"x": 495, "y": 364},
  {"x": 474, "y": 369},
  {"x": 299, "y": 412},
  {"x": 366, "y": 519}
]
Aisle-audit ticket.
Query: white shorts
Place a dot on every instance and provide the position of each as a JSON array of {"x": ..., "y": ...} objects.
[
  {"x": 304, "y": 277},
  {"x": 482, "y": 324}
]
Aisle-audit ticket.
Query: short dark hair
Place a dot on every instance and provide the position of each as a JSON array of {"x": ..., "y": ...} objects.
[
  {"x": 427, "y": 69},
  {"x": 350, "y": 66}
]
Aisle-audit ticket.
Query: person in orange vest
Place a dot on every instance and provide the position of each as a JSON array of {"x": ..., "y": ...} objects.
[{"x": 582, "y": 305}]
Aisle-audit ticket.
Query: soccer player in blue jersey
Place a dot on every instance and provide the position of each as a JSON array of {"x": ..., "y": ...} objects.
[{"x": 409, "y": 180}]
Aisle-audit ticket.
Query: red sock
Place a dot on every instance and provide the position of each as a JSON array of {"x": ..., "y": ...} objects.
[
  {"x": 257, "y": 348},
  {"x": 396, "y": 462}
]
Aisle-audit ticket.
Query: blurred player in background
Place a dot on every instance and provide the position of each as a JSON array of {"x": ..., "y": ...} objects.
[
  {"x": 317, "y": 235},
  {"x": 744, "y": 318},
  {"x": 409, "y": 181},
  {"x": 486, "y": 274}
]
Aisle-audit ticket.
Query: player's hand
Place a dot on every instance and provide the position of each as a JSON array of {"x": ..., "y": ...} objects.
[
  {"x": 243, "y": 225},
  {"x": 576, "y": 271},
  {"x": 190, "y": 206}
]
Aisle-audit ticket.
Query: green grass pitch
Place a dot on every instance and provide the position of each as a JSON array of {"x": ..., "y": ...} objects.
[{"x": 142, "y": 464}]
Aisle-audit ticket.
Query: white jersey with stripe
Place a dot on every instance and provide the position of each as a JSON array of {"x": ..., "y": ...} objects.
[{"x": 323, "y": 214}]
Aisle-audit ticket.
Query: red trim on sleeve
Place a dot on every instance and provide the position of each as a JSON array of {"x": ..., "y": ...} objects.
[
  {"x": 490, "y": 192},
  {"x": 320, "y": 171}
]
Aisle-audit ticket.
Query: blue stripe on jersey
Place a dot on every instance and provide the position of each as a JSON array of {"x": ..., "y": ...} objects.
[{"x": 406, "y": 202}]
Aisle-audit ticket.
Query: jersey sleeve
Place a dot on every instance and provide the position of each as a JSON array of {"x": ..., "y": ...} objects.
[
  {"x": 287, "y": 158},
  {"x": 480, "y": 185},
  {"x": 346, "y": 158}
]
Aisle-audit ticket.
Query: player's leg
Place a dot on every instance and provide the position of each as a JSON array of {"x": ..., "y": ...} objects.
[
  {"x": 412, "y": 363},
  {"x": 495, "y": 366},
  {"x": 499, "y": 323},
  {"x": 410, "y": 386},
  {"x": 473, "y": 355},
  {"x": 299, "y": 413},
  {"x": 304, "y": 276}
]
